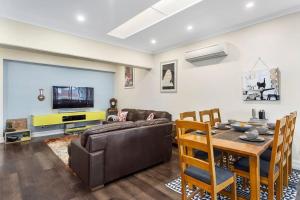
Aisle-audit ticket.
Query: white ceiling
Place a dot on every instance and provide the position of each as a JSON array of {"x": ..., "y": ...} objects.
[{"x": 208, "y": 18}]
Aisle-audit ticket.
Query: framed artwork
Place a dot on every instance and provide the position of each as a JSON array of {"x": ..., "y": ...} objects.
[
  {"x": 168, "y": 76},
  {"x": 129, "y": 77},
  {"x": 261, "y": 85}
]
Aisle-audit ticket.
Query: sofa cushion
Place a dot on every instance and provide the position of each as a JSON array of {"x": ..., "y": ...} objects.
[
  {"x": 150, "y": 117},
  {"x": 105, "y": 128},
  {"x": 138, "y": 114},
  {"x": 162, "y": 114},
  {"x": 140, "y": 123}
]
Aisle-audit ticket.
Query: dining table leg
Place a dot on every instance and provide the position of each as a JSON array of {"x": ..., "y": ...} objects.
[{"x": 254, "y": 178}]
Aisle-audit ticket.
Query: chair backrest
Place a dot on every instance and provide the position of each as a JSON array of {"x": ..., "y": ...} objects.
[
  {"x": 188, "y": 115},
  {"x": 186, "y": 159},
  {"x": 293, "y": 117},
  {"x": 278, "y": 144},
  {"x": 216, "y": 116},
  {"x": 205, "y": 116},
  {"x": 291, "y": 124}
]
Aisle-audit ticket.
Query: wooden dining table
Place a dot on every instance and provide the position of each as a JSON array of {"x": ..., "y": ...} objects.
[{"x": 229, "y": 141}]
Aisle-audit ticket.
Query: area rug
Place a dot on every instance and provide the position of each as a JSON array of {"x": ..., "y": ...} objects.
[
  {"x": 60, "y": 146},
  {"x": 290, "y": 192}
]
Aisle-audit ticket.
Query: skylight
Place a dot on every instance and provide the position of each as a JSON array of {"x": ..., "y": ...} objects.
[{"x": 153, "y": 15}]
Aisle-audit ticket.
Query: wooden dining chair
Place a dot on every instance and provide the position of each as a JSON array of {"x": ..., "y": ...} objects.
[
  {"x": 286, "y": 139},
  {"x": 201, "y": 173},
  {"x": 188, "y": 115},
  {"x": 270, "y": 171},
  {"x": 205, "y": 116},
  {"x": 216, "y": 116},
  {"x": 293, "y": 118}
]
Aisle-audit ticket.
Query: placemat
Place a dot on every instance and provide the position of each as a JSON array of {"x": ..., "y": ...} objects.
[{"x": 232, "y": 135}]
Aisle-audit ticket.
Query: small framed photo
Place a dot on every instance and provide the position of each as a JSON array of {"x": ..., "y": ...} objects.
[
  {"x": 129, "y": 78},
  {"x": 168, "y": 76}
]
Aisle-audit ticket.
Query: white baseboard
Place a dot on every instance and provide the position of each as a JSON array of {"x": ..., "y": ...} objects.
[
  {"x": 296, "y": 164},
  {"x": 47, "y": 133}
]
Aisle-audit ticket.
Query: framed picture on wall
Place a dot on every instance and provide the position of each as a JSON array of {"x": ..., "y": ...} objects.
[
  {"x": 129, "y": 78},
  {"x": 168, "y": 76},
  {"x": 261, "y": 85}
]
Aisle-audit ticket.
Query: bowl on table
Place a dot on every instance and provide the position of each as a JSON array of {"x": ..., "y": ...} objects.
[
  {"x": 251, "y": 135},
  {"x": 231, "y": 121},
  {"x": 262, "y": 129},
  {"x": 241, "y": 127},
  {"x": 271, "y": 126},
  {"x": 222, "y": 126}
]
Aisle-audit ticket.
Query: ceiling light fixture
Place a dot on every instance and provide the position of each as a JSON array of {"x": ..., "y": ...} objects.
[
  {"x": 250, "y": 4},
  {"x": 153, "y": 41},
  {"x": 189, "y": 27},
  {"x": 80, "y": 18},
  {"x": 153, "y": 15}
]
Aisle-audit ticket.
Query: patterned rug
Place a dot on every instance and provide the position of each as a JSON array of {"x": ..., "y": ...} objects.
[
  {"x": 290, "y": 192},
  {"x": 60, "y": 146}
]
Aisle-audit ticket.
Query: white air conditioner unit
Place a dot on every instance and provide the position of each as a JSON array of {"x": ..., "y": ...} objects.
[{"x": 214, "y": 51}]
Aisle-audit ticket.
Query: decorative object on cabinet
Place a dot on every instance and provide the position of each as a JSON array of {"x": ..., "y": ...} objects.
[
  {"x": 129, "y": 78},
  {"x": 41, "y": 96},
  {"x": 261, "y": 85},
  {"x": 168, "y": 76},
  {"x": 112, "y": 112}
]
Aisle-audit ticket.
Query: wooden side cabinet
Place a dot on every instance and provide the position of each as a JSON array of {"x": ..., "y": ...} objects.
[{"x": 17, "y": 136}]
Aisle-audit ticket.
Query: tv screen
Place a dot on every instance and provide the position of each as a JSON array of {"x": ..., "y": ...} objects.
[{"x": 72, "y": 97}]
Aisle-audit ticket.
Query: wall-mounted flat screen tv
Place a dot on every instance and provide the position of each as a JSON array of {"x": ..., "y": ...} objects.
[{"x": 72, "y": 97}]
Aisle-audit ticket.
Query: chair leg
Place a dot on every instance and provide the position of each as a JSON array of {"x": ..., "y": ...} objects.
[
  {"x": 214, "y": 196},
  {"x": 280, "y": 184},
  {"x": 271, "y": 191},
  {"x": 233, "y": 189},
  {"x": 183, "y": 189},
  {"x": 244, "y": 184},
  {"x": 222, "y": 159},
  {"x": 290, "y": 164},
  {"x": 285, "y": 175},
  {"x": 201, "y": 193},
  {"x": 278, "y": 190}
]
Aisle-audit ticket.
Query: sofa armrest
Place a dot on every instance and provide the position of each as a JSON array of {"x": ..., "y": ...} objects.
[{"x": 88, "y": 166}]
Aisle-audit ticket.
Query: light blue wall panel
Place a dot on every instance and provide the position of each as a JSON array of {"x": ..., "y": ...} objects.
[{"x": 23, "y": 80}]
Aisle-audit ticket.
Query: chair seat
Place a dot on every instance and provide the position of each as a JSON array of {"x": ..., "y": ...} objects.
[
  {"x": 202, "y": 175},
  {"x": 204, "y": 156},
  {"x": 266, "y": 155},
  {"x": 243, "y": 164}
]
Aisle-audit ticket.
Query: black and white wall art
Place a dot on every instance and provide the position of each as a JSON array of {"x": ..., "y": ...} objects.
[
  {"x": 168, "y": 76},
  {"x": 261, "y": 85},
  {"x": 129, "y": 77}
]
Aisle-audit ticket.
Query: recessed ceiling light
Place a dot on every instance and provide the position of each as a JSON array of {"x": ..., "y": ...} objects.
[
  {"x": 250, "y": 4},
  {"x": 189, "y": 27},
  {"x": 153, "y": 41},
  {"x": 156, "y": 13},
  {"x": 80, "y": 18}
]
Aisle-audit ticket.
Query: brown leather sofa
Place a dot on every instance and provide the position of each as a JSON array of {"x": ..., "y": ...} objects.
[{"x": 108, "y": 152}]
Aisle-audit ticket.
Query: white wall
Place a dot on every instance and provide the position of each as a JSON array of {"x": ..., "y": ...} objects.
[
  {"x": 23, "y": 35},
  {"x": 219, "y": 85}
]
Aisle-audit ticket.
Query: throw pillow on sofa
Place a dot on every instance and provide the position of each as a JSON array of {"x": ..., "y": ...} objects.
[
  {"x": 122, "y": 116},
  {"x": 151, "y": 116}
]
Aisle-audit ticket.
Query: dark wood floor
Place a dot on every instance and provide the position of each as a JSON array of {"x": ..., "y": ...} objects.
[{"x": 32, "y": 172}]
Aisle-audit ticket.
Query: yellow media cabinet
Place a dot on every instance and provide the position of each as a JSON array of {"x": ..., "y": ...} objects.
[{"x": 65, "y": 118}]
